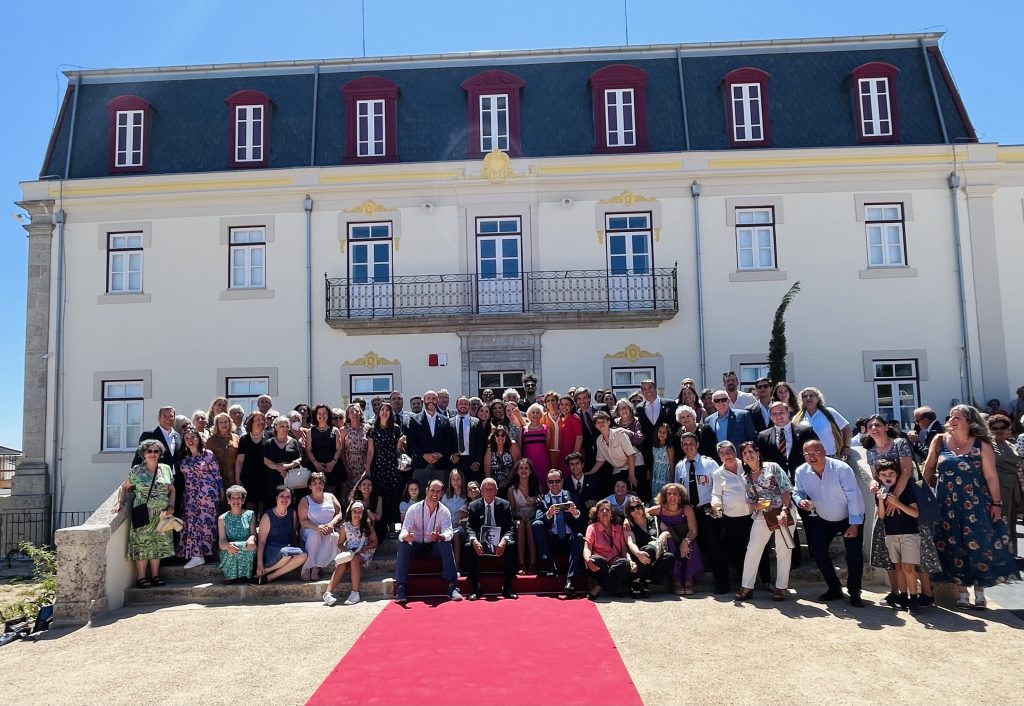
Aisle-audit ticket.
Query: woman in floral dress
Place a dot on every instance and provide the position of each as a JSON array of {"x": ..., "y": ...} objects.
[
  {"x": 971, "y": 537},
  {"x": 236, "y": 531},
  {"x": 354, "y": 449},
  {"x": 203, "y": 487},
  {"x": 383, "y": 451},
  {"x": 153, "y": 484}
]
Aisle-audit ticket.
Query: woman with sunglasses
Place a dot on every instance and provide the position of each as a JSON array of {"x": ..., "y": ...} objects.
[
  {"x": 676, "y": 516},
  {"x": 769, "y": 495},
  {"x": 501, "y": 458},
  {"x": 605, "y": 552},
  {"x": 649, "y": 547},
  {"x": 1009, "y": 467},
  {"x": 153, "y": 484}
]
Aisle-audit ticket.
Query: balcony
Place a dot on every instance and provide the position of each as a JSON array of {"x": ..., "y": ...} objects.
[{"x": 557, "y": 299}]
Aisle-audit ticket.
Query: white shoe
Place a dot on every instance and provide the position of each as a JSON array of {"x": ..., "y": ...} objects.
[
  {"x": 194, "y": 562},
  {"x": 329, "y": 598},
  {"x": 353, "y": 598}
]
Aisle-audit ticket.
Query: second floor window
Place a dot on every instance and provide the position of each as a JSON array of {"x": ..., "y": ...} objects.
[
  {"x": 370, "y": 131},
  {"x": 875, "y": 106},
  {"x": 124, "y": 263},
  {"x": 371, "y": 120},
  {"x": 884, "y": 225},
  {"x": 620, "y": 120},
  {"x": 619, "y": 93},
  {"x": 494, "y": 122},
  {"x": 746, "y": 112},
  {"x": 755, "y": 239},
  {"x": 247, "y": 255}
]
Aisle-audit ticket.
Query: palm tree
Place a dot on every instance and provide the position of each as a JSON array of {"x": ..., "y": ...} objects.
[{"x": 777, "y": 345}]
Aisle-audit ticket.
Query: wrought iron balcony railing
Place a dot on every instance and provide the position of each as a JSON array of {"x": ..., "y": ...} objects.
[{"x": 551, "y": 292}]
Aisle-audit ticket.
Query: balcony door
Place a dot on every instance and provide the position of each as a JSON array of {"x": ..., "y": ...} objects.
[
  {"x": 499, "y": 265},
  {"x": 371, "y": 291},
  {"x": 630, "y": 266}
]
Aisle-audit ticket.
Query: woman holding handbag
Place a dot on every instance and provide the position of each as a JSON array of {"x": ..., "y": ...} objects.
[
  {"x": 282, "y": 456},
  {"x": 153, "y": 483},
  {"x": 769, "y": 495}
]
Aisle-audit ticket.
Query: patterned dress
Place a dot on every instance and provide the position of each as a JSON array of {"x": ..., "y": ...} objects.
[
  {"x": 384, "y": 470},
  {"x": 879, "y": 552},
  {"x": 203, "y": 486},
  {"x": 146, "y": 542},
  {"x": 973, "y": 549},
  {"x": 237, "y": 530},
  {"x": 502, "y": 469},
  {"x": 660, "y": 471},
  {"x": 355, "y": 540},
  {"x": 355, "y": 458}
]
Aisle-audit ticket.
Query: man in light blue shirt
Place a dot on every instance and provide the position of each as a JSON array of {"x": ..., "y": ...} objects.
[
  {"x": 427, "y": 531},
  {"x": 828, "y": 489}
]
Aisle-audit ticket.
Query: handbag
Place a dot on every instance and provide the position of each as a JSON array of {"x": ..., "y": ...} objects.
[
  {"x": 140, "y": 513},
  {"x": 297, "y": 478},
  {"x": 927, "y": 503}
]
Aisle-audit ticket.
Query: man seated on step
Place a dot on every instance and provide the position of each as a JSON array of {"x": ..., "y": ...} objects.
[
  {"x": 427, "y": 531},
  {"x": 559, "y": 525},
  {"x": 490, "y": 511}
]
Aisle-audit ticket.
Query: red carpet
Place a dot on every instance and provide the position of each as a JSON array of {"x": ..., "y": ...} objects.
[{"x": 535, "y": 650}]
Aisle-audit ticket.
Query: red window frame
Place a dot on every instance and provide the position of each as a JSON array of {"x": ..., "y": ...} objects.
[
  {"x": 125, "y": 103},
  {"x": 370, "y": 88},
  {"x": 248, "y": 97},
  {"x": 493, "y": 83},
  {"x": 613, "y": 77},
  {"x": 748, "y": 74},
  {"x": 876, "y": 69}
]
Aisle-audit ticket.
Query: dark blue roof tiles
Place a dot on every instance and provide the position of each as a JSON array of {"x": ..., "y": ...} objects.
[{"x": 811, "y": 103}]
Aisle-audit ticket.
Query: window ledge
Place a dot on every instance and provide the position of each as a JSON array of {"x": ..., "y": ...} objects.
[
  {"x": 888, "y": 272},
  {"x": 123, "y": 299},
  {"x": 242, "y": 293},
  {"x": 123, "y": 457},
  {"x": 758, "y": 276}
]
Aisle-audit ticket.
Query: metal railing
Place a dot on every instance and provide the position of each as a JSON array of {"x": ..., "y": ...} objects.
[
  {"x": 555, "y": 291},
  {"x": 36, "y": 526}
]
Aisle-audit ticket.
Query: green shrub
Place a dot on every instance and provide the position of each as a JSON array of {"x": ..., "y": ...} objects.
[{"x": 43, "y": 589}]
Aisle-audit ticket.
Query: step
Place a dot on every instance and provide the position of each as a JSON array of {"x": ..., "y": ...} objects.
[{"x": 373, "y": 585}]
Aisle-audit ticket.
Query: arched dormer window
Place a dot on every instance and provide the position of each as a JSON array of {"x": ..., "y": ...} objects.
[
  {"x": 746, "y": 92},
  {"x": 250, "y": 128},
  {"x": 371, "y": 120},
  {"x": 619, "y": 95},
  {"x": 875, "y": 104},
  {"x": 129, "y": 123},
  {"x": 493, "y": 108}
]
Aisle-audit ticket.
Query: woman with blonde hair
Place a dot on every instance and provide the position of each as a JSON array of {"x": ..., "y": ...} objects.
[{"x": 835, "y": 432}]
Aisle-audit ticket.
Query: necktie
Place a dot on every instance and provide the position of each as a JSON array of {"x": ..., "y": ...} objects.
[
  {"x": 694, "y": 495},
  {"x": 490, "y": 515},
  {"x": 579, "y": 487},
  {"x": 462, "y": 435},
  {"x": 650, "y": 412},
  {"x": 782, "y": 443},
  {"x": 559, "y": 519}
]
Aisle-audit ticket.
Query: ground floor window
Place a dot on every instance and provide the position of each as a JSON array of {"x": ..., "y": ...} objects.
[
  {"x": 626, "y": 381},
  {"x": 244, "y": 391},
  {"x": 896, "y": 387},
  {"x": 122, "y": 414},
  {"x": 367, "y": 386},
  {"x": 500, "y": 380}
]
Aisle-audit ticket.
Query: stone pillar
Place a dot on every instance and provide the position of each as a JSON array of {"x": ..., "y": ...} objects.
[{"x": 31, "y": 486}]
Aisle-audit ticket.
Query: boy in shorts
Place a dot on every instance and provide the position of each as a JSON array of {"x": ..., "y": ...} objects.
[{"x": 899, "y": 517}]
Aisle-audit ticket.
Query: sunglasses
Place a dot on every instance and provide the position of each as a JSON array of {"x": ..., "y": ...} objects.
[
  {"x": 716, "y": 400},
  {"x": 153, "y": 452},
  {"x": 763, "y": 387},
  {"x": 999, "y": 427},
  {"x": 554, "y": 482}
]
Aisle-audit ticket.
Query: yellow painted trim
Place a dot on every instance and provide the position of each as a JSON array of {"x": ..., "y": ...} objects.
[
  {"x": 1011, "y": 154},
  {"x": 118, "y": 189},
  {"x": 630, "y": 168},
  {"x": 398, "y": 176},
  {"x": 833, "y": 161}
]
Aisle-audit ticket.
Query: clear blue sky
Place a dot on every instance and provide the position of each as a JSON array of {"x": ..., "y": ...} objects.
[{"x": 982, "y": 47}]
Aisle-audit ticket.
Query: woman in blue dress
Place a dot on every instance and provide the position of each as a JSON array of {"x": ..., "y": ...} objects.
[{"x": 971, "y": 536}]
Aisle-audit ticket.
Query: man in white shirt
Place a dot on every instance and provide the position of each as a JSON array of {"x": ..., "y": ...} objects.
[
  {"x": 829, "y": 488},
  {"x": 737, "y": 398},
  {"x": 696, "y": 473},
  {"x": 469, "y": 442},
  {"x": 427, "y": 531},
  {"x": 490, "y": 511}
]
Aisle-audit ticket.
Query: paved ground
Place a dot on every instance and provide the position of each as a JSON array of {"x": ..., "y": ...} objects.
[{"x": 693, "y": 651}]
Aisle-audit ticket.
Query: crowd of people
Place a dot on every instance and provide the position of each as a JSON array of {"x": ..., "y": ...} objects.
[{"x": 629, "y": 492}]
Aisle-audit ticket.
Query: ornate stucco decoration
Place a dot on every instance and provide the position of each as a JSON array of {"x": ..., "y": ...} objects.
[
  {"x": 371, "y": 361},
  {"x": 369, "y": 208},
  {"x": 632, "y": 353},
  {"x": 497, "y": 167},
  {"x": 628, "y": 199}
]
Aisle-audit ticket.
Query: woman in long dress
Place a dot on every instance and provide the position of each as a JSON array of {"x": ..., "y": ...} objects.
[{"x": 153, "y": 484}]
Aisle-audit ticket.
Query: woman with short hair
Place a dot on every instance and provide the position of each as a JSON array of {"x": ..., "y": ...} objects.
[
  {"x": 153, "y": 485},
  {"x": 319, "y": 516},
  {"x": 606, "y": 552},
  {"x": 281, "y": 453},
  {"x": 277, "y": 553},
  {"x": 250, "y": 471},
  {"x": 236, "y": 532}
]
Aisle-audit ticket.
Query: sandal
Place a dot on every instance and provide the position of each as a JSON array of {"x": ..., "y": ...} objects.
[
  {"x": 143, "y": 583},
  {"x": 157, "y": 581}
]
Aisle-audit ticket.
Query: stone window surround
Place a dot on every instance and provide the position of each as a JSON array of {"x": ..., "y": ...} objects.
[
  {"x": 906, "y": 200},
  {"x": 271, "y": 374},
  {"x": 101, "y": 376},
  {"x": 226, "y": 224},
  {"x": 655, "y": 360},
  {"x": 775, "y": 202},
  {"x": 738, "y": 359},
  {"x": 105, "y": 230},
  {"x": 918, "y": 354},
  {"x": 346, "y": 371},
  {"x": 358, "y": 215}
]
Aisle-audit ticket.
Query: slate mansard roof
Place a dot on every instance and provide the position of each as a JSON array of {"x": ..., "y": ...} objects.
[{"x": 811, "y": 101}]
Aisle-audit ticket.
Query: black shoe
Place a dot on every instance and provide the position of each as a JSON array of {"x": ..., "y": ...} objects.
[
  {"x": 831, "y": 595},
  {"x": 721, "y": 591},
  {"x": 570, "y": 588},
  {"x": 400, "y": 596},
  {"x": 550, "y": 571},
  {"x": 892, "y": 600},
  {"x": 477, "y": 594},
  {"x": 509, "y": 593},
  {"x": 925, "y": 601},
  {"x": 855, "y": 600}
]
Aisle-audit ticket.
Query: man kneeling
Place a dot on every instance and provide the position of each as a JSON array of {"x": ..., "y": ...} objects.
[
  {"x": 490, "y": 516},
  {"x": 427, "y": 531}
]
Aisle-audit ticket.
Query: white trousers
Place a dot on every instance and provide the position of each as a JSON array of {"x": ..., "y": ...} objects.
[{"x": 759, "y": 534}]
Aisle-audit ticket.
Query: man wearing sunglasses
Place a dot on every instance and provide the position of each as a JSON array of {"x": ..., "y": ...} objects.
[
  {"x": 729, "y": 423},
  {"x": 559, "y": 525},
  {"x": 759, "y": 413}
]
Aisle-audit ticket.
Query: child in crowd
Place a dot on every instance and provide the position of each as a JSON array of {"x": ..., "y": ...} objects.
[
  {"x": 899, "y": 518},
  {"x": 410, "y": 495}
]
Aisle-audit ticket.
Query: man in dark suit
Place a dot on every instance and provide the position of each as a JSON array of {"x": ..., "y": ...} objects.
[
  {"x": 401, "y": 416},
  {"x": 652, "y": 413},
  {"x": 559, "y": 525},
  {"x": 585, "y": 488},
  {"x": 165, "y": 434},
  {"x": 491, "y": 511},
  {"x": 729, "y": 424},
  {"x": 926, "y": 428},
  {"x": 586, "y": 412},
  {"x": 469, "y": 442},
  {"x": 783, "y": 443},
  {"x": 759, "y": 413},
  {"x": 431, "y": 442}
]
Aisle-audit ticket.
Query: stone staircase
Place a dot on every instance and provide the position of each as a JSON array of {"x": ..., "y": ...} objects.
[{"x": 204, "y": 584}]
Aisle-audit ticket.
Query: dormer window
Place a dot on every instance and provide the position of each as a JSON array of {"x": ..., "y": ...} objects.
[
  {"x": 875, "y": 103},
  {"x": 746, "y": 93},
  {"x": 619, "y": 94},
  {"x": 493, "y": 107},
  {"x": 250, "y": 120},
  {"x": 371, "y": 120},
  {"x": 129, "y": 134}
]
